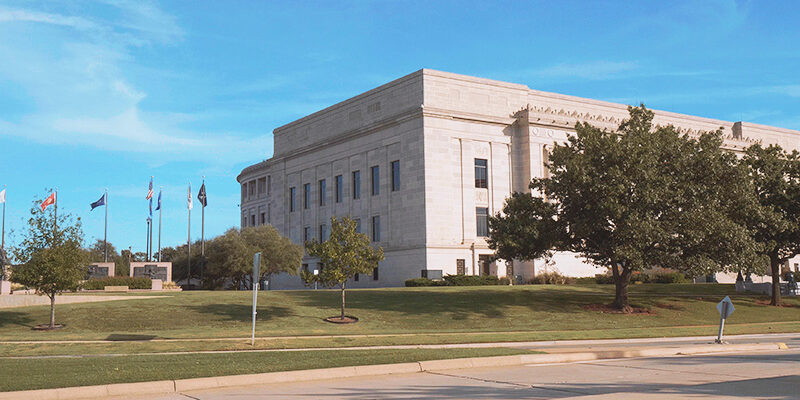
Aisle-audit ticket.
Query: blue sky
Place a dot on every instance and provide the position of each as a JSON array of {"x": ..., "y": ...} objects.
[{"x": 105, "y": 94}]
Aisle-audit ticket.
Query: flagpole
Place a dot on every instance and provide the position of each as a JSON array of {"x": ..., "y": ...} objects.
[
  {"x": 55, "y": 217},
  {"x": 189, "y": 241},
  {"x": 3, "y": 244},
  {"x": 203, "y": 225},
  {"x": 159, "y": 225},
  {"x": 147, "y": 240},
  {"x": 105, "y": 232}
]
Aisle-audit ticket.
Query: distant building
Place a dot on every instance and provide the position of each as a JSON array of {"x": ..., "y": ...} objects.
[{"x": 420, "y": 163}]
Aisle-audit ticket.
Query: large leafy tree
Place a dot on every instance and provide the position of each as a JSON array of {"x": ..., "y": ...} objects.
[
  {"x": 637, "y": 198},
  {"x": 344, "y": 254},
  {"x": 51, "y": 256},
  {"x": 96, "y": 252},
  {"x": 775, "y": 174},
  {"x": 230, "y": 256}
]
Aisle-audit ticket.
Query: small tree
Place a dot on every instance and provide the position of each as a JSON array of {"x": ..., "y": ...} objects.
[
  {"x": 775, "y": 174},
  {"x": 345, "y": 254},
  {"x": 52, "y": 258}
]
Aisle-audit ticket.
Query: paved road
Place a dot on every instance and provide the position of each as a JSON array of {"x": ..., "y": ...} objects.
[{"x": 770, "y": 375}]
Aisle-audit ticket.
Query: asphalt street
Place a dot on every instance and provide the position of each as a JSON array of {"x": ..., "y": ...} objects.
[{"x": 762, "y": 375}]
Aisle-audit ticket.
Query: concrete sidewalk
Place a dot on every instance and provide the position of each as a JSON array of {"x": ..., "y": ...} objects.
[{"x": 183, "y": 385}]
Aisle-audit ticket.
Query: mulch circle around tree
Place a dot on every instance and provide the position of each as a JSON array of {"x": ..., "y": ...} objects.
[
  {"x": 608, "y": 309},
  {"x": 46, "y": 327},
  {"x": 338, "y": 320}
]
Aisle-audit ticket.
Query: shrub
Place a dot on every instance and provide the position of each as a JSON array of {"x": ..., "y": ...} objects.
[
  {"x": 417, "y": 282},
  {"x": 665, "y": 276},
  {"x": 131, "y": 282},
  {"x": 504, "y": 281},
  {"x": 551, "y": 278},
  {"x": 604, "y": 278},
  {"x": 471, "y": 280},
  {"x": 585, "y": 280}
]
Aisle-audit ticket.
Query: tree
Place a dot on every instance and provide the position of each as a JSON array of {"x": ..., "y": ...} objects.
[
  {"x": 278, "y": 253},
  {"x": 230, "y": 256},
  {"x": 775, "y": 175},
  {"x": 96, "y": 252},
  {"x": 53, "y": 260},
  {"x": 344, "y": 254},
  {"x": 634, "y": 199}
]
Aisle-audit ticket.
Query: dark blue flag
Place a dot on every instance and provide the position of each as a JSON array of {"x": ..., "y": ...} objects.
[
  {"x": 150, "y": 207},
  {"x": 158, "y": 206},
  {"x": 98, "y": 203}
]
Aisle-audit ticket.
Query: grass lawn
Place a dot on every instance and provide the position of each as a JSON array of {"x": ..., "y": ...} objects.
[
  {"x": 27, "y": 374},
  {"x": 533, "y": 312}
]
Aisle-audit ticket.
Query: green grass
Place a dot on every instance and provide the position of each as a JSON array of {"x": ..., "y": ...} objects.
[
  {"x": 28, "y": 374},
  {"x": 532, "y": 309}
]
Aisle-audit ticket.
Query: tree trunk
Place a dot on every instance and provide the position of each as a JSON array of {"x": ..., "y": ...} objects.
[
  {"x": 343, "y": 301},
  {"x": 621, "y": 280},
  {"x": 52, "y": 310},
  {"x": 775, "y": 265}
]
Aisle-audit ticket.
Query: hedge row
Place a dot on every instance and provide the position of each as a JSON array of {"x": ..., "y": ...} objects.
[
  {"x": 655, "y": 276},
  {"x": 459, "y": 280},
  {"x": 130, "y": 282}
]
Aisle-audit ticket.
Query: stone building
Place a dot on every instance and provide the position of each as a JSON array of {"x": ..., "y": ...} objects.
[{"x": 420, "y": 163}]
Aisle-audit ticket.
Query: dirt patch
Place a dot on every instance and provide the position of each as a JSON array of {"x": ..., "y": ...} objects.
[
  {"x": 339, "y": 320},
  {"x": 46, "y": 327},
  {"x": 607, "y": 309},
  {"x": 766, "y": 303}
]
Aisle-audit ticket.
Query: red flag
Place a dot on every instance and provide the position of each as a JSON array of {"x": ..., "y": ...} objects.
[{"x": 49, "y": 201}]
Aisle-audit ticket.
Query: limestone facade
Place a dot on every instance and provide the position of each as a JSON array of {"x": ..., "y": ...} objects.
[{"x": 441, "y": 150}]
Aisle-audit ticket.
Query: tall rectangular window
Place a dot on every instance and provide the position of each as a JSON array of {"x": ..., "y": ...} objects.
[
  {"x": 306, "y": 195},
  {"x": 253, "y": 220},
  {"x": 376, "y": 180},
  {"x": 322, "y": 192},
  {"x": 244, "y": 191},
  {"x": 269, "y": 213},
  {"x": 339, "y": 188},
  {"x": 263, "y": 218},
  {"x": 356, "y": 184},
  {"x": 376, "y": 228},
  {"x": 269, "y": 184},
  {"x": 482, "y": 219},
  {"x": 292, "y": 199},
  {"x": 395, "y": 175},
  {"x": 358, "y": 225},
  {"x": 251, "y": 188},
  {"x": 323, "y": 233},
  {"x": 262, "y": 186},
  {"x": 306, "y": 234},
  {"x": 480, "y": 173},
  {"x": 375, "y": 274}
]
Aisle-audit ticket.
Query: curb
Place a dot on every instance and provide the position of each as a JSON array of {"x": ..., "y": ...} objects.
[{"x": 182, "y": 385}]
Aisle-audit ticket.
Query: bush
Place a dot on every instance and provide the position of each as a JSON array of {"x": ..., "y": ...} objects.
[
  {"x": 604, "y": 279},
  {"x": 585, "y": 280},
  {"x": 472, "y": 280},
  {"x": 504, "y": 281},
  {"x": 551, "y": 278},
  {"x": 417, "y": 282},
  {"x": 131, "y": 282},
  {"x": 665, "y": 276}
]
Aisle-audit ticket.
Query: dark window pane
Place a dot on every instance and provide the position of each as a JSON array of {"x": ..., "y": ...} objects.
[
  {"x": 376, "y": 180},
  {"x": 480, "y": 173},
  {"x": 292, "y": 199},
  {"x": 376, "y": 228},
  {"x": 395, "y": 176},
  {"x": 306, "y": 195},
  {"x": 482, "y": 215},
  {"x": 356, "y": 184},
  {"x": 339, "y": 188},
  {"x": 322, "y": 192}
]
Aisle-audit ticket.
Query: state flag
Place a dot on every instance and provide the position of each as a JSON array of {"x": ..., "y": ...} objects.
[
  {"x": 2, "y": 196},
  {"x": 49, "y": 201},
  {"x": 98, "y": 203},
  {"x": 158, "y": 206}
]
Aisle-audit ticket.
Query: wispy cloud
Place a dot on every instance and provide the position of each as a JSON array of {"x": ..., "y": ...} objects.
[{"x": 83, "y": 96}]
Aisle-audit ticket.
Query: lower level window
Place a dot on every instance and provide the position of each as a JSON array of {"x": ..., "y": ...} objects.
[
  {"x": 375, "y": 274},
  {"x": 482, "y": 220}
]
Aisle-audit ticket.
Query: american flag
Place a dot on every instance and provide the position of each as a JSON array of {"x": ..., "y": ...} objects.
[{"x": 150, "y": 190}]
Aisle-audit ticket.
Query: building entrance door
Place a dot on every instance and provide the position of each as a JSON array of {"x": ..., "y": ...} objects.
[{"x": 485, "y": 264}]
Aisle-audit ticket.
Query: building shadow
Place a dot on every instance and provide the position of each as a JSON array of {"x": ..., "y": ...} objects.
[{"x": 127, "y": 337}]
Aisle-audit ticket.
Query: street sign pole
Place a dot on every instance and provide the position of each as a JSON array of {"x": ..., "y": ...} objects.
[
  {"x": 725, "y": 308},
  {"x": 256, "y": 267}
]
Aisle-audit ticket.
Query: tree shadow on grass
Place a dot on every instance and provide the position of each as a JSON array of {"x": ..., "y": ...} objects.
[
  {"x": 126, "y": 337},
  {"x": 243, "y": 312},
  {"x": 8, "y": 318}
]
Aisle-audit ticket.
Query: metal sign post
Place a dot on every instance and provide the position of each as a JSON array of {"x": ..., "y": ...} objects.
[
  {"x": 725, "y": 308},
  {"x": 256, "y": 275}
]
